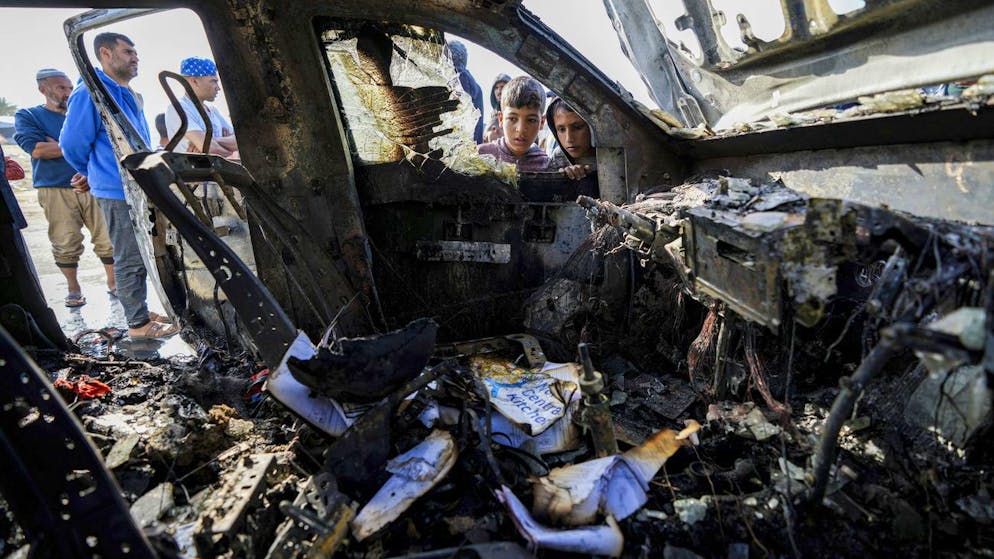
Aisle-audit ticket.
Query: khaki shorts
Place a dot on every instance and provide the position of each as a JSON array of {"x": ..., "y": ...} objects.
[{"x": 67, "y": 213}]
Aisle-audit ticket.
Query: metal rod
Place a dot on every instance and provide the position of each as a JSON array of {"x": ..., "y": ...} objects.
[
  {"x": 597, "y": 407},
  {"x": 720, "y": 384}
]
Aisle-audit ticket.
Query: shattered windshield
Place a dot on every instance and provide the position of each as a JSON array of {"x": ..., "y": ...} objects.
[{"x": 402, "y": 99}]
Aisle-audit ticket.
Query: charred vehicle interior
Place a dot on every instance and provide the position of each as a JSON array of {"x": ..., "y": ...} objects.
[{"x": 760, "y": 328}]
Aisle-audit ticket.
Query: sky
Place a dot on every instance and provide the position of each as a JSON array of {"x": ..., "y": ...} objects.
[
  {"x": 38, "y": 41},
  {"x": 163, "y": 39},
  {"x": 156, "y": 36}
]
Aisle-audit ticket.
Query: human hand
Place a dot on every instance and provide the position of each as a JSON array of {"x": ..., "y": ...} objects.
[
  {"x": 79, "y": 183},
  {"x": 576, "y": 172}
]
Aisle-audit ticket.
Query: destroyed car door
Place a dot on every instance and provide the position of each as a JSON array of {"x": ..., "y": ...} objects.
[{"x": 452, "y": 235}]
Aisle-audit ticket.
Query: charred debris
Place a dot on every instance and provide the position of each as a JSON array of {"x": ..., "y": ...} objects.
[{"x": 724, "y": 369}]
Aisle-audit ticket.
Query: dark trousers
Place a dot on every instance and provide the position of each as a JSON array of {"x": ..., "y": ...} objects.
[{"x": 129, "y": 269}]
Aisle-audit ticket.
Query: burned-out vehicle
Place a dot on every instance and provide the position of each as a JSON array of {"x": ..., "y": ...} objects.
[{"x": 777, "y": 287}]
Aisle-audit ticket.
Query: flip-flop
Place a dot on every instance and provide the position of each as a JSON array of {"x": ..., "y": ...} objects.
[
  {"x": 75, "y": 300},
  {"x": 112, "y": 292},
  {"x": 157, "y": 330}
]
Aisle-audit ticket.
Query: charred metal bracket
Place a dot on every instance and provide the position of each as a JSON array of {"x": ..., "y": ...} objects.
[
  {"x": 647, "y": 238},
  {"x": 268, "y": 325},
  {"x": 155, "y": 172},
  {"x": 530, "y": 347},
  {"x": 639, "y": 230},
  {"x": 317, "y": 521},
  {"x": 53, "y": 477},
  {"x": 877, "y": 225},
  {"x": 184, "y": 189},
  {"x": 183, "y": 119},
  {"x": 225, "y": 509},
  {"x": 738, "y": 267}
]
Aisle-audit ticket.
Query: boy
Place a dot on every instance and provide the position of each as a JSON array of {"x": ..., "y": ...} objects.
[
  {"x": 575, "y": 154},
  {"x": 522, "y": 105}
]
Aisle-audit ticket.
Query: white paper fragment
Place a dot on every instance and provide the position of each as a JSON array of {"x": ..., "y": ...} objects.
[
  {"x": 614, "y": 486},
  {"x": 563, "y": 435},
  {"x": 415, "y": 472},
  {"x": 322, "y": 412},
  {"x": 574, "y": 495},
  {"x": 760, "y": 428},
  {"x": 532, "y": 400},
  {"x": 589, "y": 540},
  {"x": 690, "y": 511},
  {"x": 745, "y": 420}
]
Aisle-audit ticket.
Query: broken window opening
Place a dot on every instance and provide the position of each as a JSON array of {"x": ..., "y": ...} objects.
[{"x": 401, "y": 98}]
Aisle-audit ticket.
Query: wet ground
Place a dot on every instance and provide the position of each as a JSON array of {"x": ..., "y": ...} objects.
[{"x": 102, "y": 310}]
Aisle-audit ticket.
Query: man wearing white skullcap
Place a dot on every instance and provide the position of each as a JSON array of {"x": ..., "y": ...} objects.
[
  {"x": 63, "y": 193},
  {"x": 201, "y": 74}
]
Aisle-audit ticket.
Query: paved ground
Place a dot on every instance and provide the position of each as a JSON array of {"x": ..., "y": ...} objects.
[{"x": 101, "y": 309}]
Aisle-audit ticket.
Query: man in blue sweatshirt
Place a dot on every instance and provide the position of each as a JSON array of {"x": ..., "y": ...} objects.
[
  {"x": 86, "y": 146},
  {"x": 63, "y": 193}
]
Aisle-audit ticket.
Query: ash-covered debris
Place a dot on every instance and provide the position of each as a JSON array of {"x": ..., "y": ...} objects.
[
  {"x": 739, "y": 371},
  {"x": 978, "y": 93}
]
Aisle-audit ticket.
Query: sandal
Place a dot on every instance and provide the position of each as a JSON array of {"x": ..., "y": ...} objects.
[
  {"x": 112, "y": 292},
  {"x": 75, "y": 300},
  {"x": 114, "y": 333},
  {"x": 156, "y": 317},
  {"x": 155, "y": 330}
]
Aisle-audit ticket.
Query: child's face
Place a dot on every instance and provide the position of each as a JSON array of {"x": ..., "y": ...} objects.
[
  {"x": 520, "y": 126},
  {"x": 498, "y": 90},
  {"x": 574, "y": 134}
]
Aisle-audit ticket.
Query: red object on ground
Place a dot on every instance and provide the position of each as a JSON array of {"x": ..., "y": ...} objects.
[
  {"x": 86, "y": 387},
  {"x": 13, "y": 169},
  {"x": 254, "y": 391}
]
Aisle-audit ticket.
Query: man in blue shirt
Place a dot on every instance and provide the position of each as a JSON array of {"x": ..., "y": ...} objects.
[
  {"x": 86, "y": 146},
  {"x": 62, "y": 192}
]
